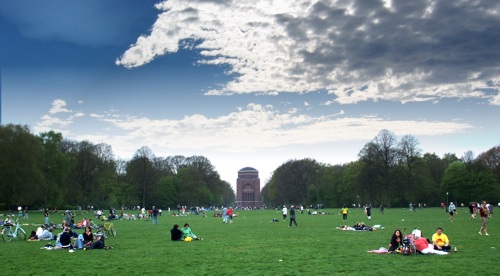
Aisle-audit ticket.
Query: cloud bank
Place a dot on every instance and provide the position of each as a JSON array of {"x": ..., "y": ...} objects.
[
  {"x": 356, "y": 50},
  {"x": 249, "y": 129}
]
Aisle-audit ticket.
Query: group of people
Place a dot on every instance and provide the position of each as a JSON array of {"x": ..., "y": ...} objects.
[{"x": 439, "y": 244}]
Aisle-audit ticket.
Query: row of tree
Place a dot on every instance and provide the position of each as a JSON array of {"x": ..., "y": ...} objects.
[
  {"x": 390, "y": 173},
  {"x": 48, "y": 171}
]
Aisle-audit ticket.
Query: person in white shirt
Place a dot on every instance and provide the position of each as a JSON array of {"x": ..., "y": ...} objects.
[
  {"x": 285, "y": 212},
  {"x": 39, "y": 231},
  {"x": 46, "y": 234},
  {"x": 451, "y": 209}
]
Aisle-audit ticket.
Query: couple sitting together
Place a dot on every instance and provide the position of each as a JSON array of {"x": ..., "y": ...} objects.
[{"x": 184, "y": 234}]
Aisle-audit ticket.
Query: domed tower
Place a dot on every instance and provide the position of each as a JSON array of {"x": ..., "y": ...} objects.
[{"x": 248, "y": 188}]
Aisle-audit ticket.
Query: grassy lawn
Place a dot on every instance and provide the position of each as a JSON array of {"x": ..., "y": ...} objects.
[{"x": 253, "y": 245}]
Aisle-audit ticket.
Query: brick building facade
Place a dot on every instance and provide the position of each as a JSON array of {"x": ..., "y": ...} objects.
[{"x": 248, "y": 188}]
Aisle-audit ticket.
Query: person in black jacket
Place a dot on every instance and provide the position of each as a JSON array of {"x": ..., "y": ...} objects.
[
  {"x": 175, "y": 233},
  {"x": 292, "y": 216},
  {"x": 396, "y": 240}
]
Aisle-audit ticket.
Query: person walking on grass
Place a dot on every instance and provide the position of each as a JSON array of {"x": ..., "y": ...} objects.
[
  {"x": 452, "y": 209},
  {"x": 292, "y": 216},
  {"x": 368, "y": 211},
  {"x": 284, "y": 211},
  {"x": 483, "y": 212},
  {"x": 224, "y": 214}
]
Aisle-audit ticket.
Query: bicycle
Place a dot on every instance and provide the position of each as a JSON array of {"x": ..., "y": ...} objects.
[
  {"x": 106, "y": 229},
  {"x": 8, "y": 234}
]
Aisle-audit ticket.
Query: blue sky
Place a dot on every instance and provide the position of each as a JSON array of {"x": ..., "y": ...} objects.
[{"x": 253, "y": 83}]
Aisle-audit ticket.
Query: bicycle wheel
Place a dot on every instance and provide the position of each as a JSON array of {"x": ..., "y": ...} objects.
[
  {"x": 7, "y": 234},
  {"x": 21, "y": 234},
  {"x": 112, "y": 230}
]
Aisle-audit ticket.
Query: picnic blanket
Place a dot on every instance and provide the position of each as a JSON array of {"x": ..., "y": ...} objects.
[{"x": 381, "y": 250}]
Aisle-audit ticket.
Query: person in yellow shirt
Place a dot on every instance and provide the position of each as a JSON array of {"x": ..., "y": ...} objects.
[
  {"x": 441, "y": 241},
  {"x": 345, "y": 211}
]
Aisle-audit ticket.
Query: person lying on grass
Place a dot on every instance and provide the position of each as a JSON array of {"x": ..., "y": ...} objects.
[{"x": 423, "y": 246}]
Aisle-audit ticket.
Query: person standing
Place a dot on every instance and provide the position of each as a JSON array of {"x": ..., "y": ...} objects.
[
  {"x": 472, "y": 210},
  {"x": 224, "y": 214},
  {"x": 230, "y": 214},
  {"x": 67, "y": 217},
  {"x": 451, "y": 209},
  {"x": 368, "y": 209},
  {"x": 46, "y": 215},
  {"x": 284, "y": 211},
  {"x": 292, "y": 216},
  {"x": 483, "y": 212},
  {"x": 154, "y": 215},
  {"x": 26, "y": 213},
  {"x": 345, "y": 211}
]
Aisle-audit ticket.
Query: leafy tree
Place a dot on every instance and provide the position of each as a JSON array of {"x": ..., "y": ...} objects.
[
  {"x": 409, "y": 155},
  {"x": 56, "y": 167},
  {"x": 491, "y": 160},
  {"x": 20, "y": 157},
  {"x": 191, "y": 189},
  {"x": 455, "y": 180},
  {"x": 296, "y": 182},
  {"x": 368, "y": 184},
  {"x": 141, "y": 172}
]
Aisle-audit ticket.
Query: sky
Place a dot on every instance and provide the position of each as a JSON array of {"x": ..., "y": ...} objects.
[{"x": 254, "y": 83}]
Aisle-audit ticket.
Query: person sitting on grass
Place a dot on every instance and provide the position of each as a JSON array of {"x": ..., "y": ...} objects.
[
  {"x": 176, "y": 234},
  {"x": 396, "y": 241},
  {"x": 441, "y": 241},
  {"x": 187, "y": 232},
  {"x": 99, "y": 243},
  {"x": 64, "y": 240},
  {"x": 423, "y": 246},
  {"x": 88, "y": 237}
]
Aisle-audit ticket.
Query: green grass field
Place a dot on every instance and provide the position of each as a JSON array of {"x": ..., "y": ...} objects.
[{"x": 253, "y": 245}]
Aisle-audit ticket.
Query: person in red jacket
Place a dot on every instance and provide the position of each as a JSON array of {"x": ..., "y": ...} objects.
[
  {"x": 422, "y": 245},
  {"x": 230, "y": 214},
  {"x": 483, "y": 212}
]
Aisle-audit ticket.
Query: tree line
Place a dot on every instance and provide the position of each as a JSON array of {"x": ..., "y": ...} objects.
[
  {"x": 49, "y": 171},
  {"x": 391, "y": 173}
]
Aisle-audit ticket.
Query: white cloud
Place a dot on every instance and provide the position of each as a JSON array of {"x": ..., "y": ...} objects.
[
  {"x": 258, "y": 127},
  {"x": 358, "y": 51},
  {"x": 59, "y": 106}
]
